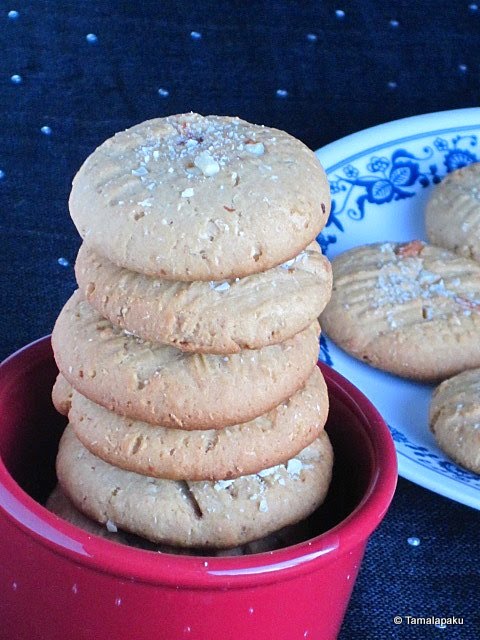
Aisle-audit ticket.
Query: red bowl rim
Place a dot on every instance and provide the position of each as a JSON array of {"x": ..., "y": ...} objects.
[{"x": 210, "y": 572}]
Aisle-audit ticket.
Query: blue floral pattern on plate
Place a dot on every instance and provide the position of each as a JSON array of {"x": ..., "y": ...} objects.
[
  {"x": 429, "y": 459},
  {"x": 391, "y": 178},
  {"x": 374, "y": 178}
]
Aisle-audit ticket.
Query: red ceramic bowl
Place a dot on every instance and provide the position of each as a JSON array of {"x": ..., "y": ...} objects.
[{"x": 58, "y": 582}]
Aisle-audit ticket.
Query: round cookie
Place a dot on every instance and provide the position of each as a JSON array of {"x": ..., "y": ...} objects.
[
  {"x": 412, "y": 309},
  {"x": 200, "y": 198},
  {"x": 220, "y": 514},
  {"x": 213, "y": 454},
  {"x": 161, "y": 385},
  {"x": 59, "y": 504},
  {"x": 452, "y": 217},
  {"x": 209, "y": 317},
  {"x": 455, "y": 418}
]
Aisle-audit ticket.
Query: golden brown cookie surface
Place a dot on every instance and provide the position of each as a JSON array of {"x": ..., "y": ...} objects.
[
  {"x": 200, "y": 198},
  {"x": 452, "y": 216},
  {"x": 162, "y": 385},
  {"x": 213, "y": 454},
  {"x": 455, "y": 418},
  {"x": 210, "y": 317},
  {"x": 218, "y": 514},
  {"x": 408, "y": 308},
  {"x": 59, "y": 504},
  {"x": 62, "y": 395}
]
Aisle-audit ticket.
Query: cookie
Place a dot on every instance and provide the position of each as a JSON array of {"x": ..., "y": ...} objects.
[
  {"x": 412, "y": 309},
  {"x": 59, "y": 504},
  {"x": 455, "y": 418},
  {"x": 452, "y": 216},
  {"x": 210, "y": 317},
  {"x": 62, "y": 395},
  {"x": 162, "y": 385},
  {"x": 213, "y": 454},
  {"x": 220, "y": 514},
  {"x": 200, "y": 198}
]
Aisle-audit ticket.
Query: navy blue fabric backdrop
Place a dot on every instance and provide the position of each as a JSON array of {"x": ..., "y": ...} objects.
[{"x": 73, "y": 73}]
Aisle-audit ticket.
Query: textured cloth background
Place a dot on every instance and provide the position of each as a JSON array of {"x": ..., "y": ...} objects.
[{"x": 320, "y": 70}]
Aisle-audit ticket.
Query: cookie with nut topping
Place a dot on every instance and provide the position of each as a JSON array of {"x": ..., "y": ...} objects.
[
  {"x": 212, "y": 454},
  {"x": 452, "y": 216},
  {"x": 455, "y": 418},
  {"x": 220, "y": 514},
  {"x": 59, "y": 504},
  {"x": 210, "y": 317},
  {"x": 192, "y": 198},
  {"x": 162, "y": 385},
  {"x": 412, "y": 309}
]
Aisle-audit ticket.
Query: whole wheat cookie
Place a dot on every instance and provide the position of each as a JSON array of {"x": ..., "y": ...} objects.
[
  {"x": 210, "y": 317},
  {"x": 409, "y": 308},
  {"x": 59, "y": 504},
  {"x": 162, "y": 385},
  {"x": 455, "y": 418},
  {"x": 452, "y": 216},
  {"x": 200, "y": 198},
  {"x": 221, "y": 514},
  {"x": 214, "y": 454}
]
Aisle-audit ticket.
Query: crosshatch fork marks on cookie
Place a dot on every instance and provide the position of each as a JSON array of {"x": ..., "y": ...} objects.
[{"x": 411, "y": 308}]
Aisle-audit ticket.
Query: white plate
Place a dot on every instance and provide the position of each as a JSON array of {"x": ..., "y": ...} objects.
[{"x": 380, "y": 180}]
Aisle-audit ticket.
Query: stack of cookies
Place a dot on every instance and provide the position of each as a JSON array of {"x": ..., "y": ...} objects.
[{"x": 188, "y": 354}]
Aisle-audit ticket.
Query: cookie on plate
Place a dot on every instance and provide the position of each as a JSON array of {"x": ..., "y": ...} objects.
[
  {"x": 455, "y": 418},
  {"x": 200, "y": 198},
  {"x": 162, "y": 385},
  {"x": 221, "y": 514},
  {"x": 212, "y": 454},
  {"x": 412, "y": 309},
  {"x": 452, "y": 216},
  {"x": 59, "y": 504},
  {"x": 210, "y": 317}
]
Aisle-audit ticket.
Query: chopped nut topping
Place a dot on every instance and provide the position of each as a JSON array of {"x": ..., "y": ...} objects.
[
  {"x": 219, "y": 286},
  {"x": 263, "y": 506},
  {"x": 207, "y": 164},
  {"x": 294, "y": 466},
  {"x": 111, "y": 526},
  {"x": 255, "y": 148},
  {"x": 141, "y": 171},
  {"x": 411, "y": 249}
]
